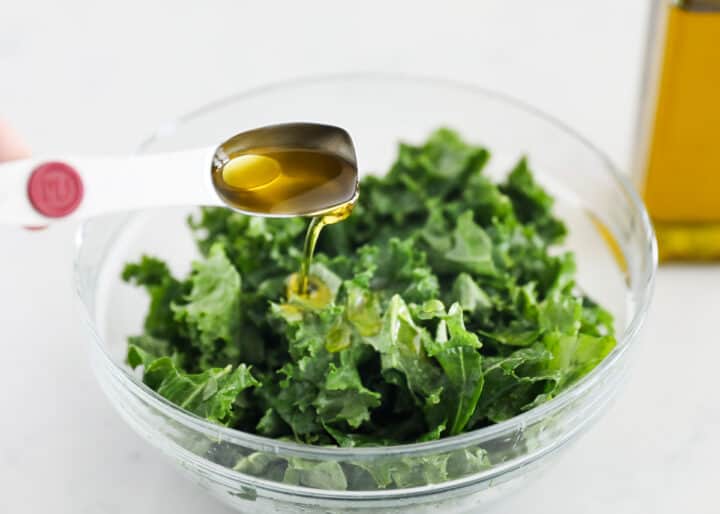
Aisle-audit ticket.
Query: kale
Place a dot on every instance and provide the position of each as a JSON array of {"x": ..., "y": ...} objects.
[{"x": 449, "y": 307}]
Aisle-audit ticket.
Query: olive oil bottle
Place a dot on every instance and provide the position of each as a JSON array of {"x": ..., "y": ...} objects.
[
  {"x": 679, "y": 131},
  {"x": 306, "y": 182}
]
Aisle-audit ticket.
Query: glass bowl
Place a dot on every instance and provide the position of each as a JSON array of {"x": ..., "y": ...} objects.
[{"x": 609, "y": 231}]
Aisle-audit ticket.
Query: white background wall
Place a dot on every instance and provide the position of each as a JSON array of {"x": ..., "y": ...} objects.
[{"x": 82, "y": 75}]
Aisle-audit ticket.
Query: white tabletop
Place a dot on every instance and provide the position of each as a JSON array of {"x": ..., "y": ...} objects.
[{"x": 95, "y": 76}]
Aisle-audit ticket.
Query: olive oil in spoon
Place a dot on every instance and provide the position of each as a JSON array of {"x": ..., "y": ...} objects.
[{"x": 302, "y": 178}]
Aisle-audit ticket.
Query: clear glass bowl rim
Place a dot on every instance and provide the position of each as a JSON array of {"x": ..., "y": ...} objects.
[{"x": 475, "y": 437}]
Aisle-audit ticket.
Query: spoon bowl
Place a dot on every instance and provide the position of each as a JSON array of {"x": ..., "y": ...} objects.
[{"x": 292, "y": 169}]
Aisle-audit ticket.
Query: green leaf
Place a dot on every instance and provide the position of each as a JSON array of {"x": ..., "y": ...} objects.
[
  {"x": 518, "y": 332},
  {"x": 144, "y": 349},
  {"x": 316, "y": 474},
  {"x": 344, "y": 397},
  {"x": 573, "y": 356},
  {"x": 486, "y": 200},
  {"x": 400, "y": 344},
  {"x": 210, "y": 394},
  {"x": 363, "y": 309},
  {"x": 461, "y": 362},
  {"x": 561, "y": 313},
  {"x": 469, "y": 248},
  {"x": 512, "y": 383},
  {"x": 470, "y": 296},
  {"x": 446, "y": 156},
  {"x": 271, "y": 424},
  {"x": 255, "y": 464},
  {"x": 398, "y": 267},
  {"x": 466, "y": 462},
  {"x": 163, "y": 289},
  {"x": 211, "y": 310},
  {"x": 419, "y": 471},
  {"x": 595, "y": 320},
  {"x": 532, "y": 203}
]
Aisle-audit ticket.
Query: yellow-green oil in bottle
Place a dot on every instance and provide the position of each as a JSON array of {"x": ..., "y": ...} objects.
[{"x": 679, "y": 150}]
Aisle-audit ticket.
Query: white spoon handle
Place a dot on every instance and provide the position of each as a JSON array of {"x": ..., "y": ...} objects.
[{"x": 38, "y": 190}]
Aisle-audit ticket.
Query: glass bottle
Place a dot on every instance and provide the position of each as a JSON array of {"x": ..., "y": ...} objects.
[{"x": 678, "y": 161}]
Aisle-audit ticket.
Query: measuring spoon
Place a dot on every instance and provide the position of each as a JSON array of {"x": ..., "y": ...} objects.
[{"x": 38, "y": 191}]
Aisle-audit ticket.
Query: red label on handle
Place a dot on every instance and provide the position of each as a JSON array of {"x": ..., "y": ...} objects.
[{"x": 55, "y": 189}]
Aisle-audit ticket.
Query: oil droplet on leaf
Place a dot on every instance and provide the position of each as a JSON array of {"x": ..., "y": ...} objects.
[{"x": 317, "y": 296}]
